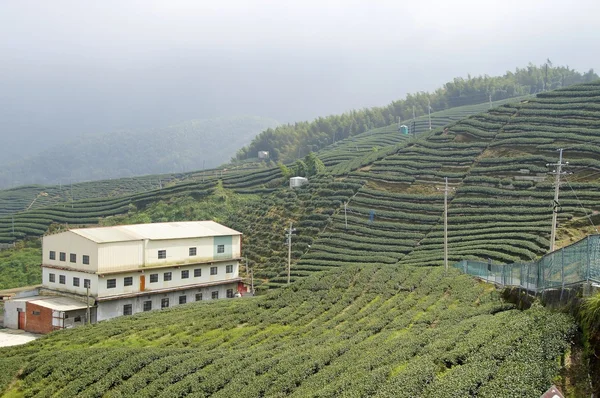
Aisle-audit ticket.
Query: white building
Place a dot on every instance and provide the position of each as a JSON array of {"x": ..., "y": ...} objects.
[{"x": 135, "y": 268}]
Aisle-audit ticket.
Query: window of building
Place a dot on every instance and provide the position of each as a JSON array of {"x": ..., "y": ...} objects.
[
  {"x": 62, "y": 279},
  {"x": 198, "y": 296},
  {"x": 182, "y": 299},
  {"x": 197, "y": 272},
  {"x": 111, "y": 283},
  {"x": 215, "y": 294},
  {"x": 127, "y": 309},
  {"x": 153, "y": 278},
  {"x": 86, "y": 259},
  {"x": 162, "y": 254},
  {"x": 52, "y": 277},
  {"x": 77, "y": 319},
  {"x": 192, "y": 251},
  {"x": 213, "y": 270},
  {"x": 62, "y": 256},
  {"x": 229, "y": 269},
  {"x": 185, "y": 274},
  {"x": 35, "y": 312},
  {"x": 220, "y": 248},
  {"x": 148, "y": 305},
  {"x": 73, "y": 257},
  {"x": 167, "y": 276},
  {"x": 52, "y": 255},
  {"x": 86, "y": 283},
  {"x": 128, "y": 281},
  {"x": 75, "y": 281},
  {"x": 229, "y": 293},
  {"x": 164, "y": 303}
]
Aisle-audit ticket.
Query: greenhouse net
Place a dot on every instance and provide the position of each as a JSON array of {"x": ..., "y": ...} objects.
[{"x": 573, "y": 264}]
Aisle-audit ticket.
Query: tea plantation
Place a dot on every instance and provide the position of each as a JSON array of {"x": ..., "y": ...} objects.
[{"x": 364, "y": 330}]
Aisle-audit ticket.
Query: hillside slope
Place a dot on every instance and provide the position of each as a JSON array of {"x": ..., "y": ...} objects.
[
  {"x": 501, "y": 206},
  {"x": 362, "y": 331},
  {"x": 182, "y": 147}
]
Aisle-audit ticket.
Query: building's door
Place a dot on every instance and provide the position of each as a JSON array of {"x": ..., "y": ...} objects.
[
  {"x": 142, "y": 283},
  {"x": 21, "y": 319}
]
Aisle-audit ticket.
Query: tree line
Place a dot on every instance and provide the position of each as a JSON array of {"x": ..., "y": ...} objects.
[{"x": 288, "y": 142}]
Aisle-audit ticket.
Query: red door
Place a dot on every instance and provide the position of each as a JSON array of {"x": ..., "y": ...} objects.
[
  {"x": 142, "y": 283},
  {"x": 22, "y": 320}
]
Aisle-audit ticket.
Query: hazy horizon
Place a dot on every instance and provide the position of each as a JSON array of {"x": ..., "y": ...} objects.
[{"x": 71, "y": 68}]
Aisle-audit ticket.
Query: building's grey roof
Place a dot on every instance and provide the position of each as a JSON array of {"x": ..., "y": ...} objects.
[
  {"x": 59, "y": 303},
  {"x": 156, "y": 231}
]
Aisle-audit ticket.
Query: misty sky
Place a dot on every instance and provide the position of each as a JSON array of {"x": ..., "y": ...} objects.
[{"x": 73, "y": 67}]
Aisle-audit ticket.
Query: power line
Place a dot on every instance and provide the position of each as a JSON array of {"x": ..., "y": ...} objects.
[
  {"x": 555, "y": 206},
  {"x": 581, "y": 204}
]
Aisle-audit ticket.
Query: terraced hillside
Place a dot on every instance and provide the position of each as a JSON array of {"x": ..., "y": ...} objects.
[
  {"x": 362, "y": 331},
  {"x": 501, "y": 205},
  {"x": 36, "y": 220},
  {"x": 362, "y": 144}
]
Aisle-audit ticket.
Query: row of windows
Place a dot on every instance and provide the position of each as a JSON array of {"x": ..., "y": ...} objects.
[
  {"x": 164, "y": 303},
  {"x": 72, "y": 257},
  {"x": 168, "y": 276},
  {"x": 193, "y": 251},
  {"x": 62, "y": 279}
]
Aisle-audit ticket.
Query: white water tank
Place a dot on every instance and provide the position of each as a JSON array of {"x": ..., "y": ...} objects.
[{"x": 296, "y": 182}]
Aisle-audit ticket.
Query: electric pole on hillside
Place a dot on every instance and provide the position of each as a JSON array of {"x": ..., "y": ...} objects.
[
  {"x": 557, "y": 172},
  {"x": 490, "y": 101},
  {"x": 345, "y": 215},
  {"x": 289, "y": 238},
  {"x": 446, "y": 190},
  {"x": 429, "y": 110}
]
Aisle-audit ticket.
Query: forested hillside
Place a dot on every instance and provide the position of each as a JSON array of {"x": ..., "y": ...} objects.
[
  {"x": 286, "y": 142},
  {"x": 183, "y": 147}
]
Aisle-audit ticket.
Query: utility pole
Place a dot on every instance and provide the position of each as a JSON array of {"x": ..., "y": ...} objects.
[
  {"x": 87, "y": 314},
  {"x": 345, "y": 215},
  {"x": 13, "y": 224},
  {"x": 289, "y": 237},
  {"x": 557, "y": 172},
  {"x": 429, "y": 110},
  {"x": 446, "y": 190},
  {"x": 490, "y": 101},
  {"x": 252, "y": 281}
]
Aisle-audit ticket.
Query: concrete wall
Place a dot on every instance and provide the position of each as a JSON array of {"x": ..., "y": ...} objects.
[
  {"x": 11, "y": 311},
  {"x": 114, "y": 308},
  {"x": 175, "y": 282},
  {"x": 69, "y": 242},
  {"x": 68, "y": 286}
]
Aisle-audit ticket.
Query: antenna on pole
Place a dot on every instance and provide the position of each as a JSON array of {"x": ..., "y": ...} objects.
[
  {"x": 555, "y": 206},
  {"x": 289, "y": 238},
  {"x": 446, "y": 190}
]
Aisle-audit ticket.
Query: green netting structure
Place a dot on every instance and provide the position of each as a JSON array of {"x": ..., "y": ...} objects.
[{"x": 570, "y": 265}]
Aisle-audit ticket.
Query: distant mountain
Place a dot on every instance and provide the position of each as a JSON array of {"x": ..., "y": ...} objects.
[{"x": 181, "y": 147}]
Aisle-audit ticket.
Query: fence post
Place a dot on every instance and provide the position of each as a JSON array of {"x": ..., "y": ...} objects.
[{"x": 527, "y": 280}]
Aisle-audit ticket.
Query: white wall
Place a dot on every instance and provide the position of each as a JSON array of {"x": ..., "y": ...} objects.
[
  {"x": 117, "y": 256},
  {"x": 175, "y": 282},
  {"x": 69, "y": 242},
  {"x": 68, "y": 286},
  {"x": 111, "y": 309}
]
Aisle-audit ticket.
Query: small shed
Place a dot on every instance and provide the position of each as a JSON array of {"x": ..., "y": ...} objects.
[
  {"x": 263, "y": 154},
  {"x": 296, "y": 182},
  {"x": 43, "y": 314}
]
